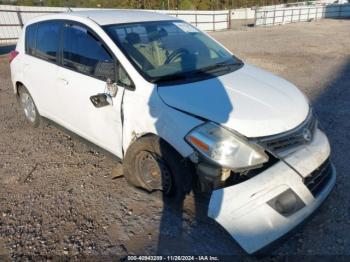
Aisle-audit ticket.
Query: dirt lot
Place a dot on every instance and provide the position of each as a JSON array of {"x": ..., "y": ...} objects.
[{"x": 58, "y": 196}]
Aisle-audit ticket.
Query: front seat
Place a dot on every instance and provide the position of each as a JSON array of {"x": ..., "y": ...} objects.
[{"x": 133, "y": 46}]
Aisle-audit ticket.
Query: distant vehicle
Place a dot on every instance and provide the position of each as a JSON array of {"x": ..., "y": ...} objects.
[{"x": 173, "y": 104}]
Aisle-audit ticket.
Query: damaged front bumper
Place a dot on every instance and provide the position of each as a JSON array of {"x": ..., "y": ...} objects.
[{"x": 264, "y": 208}]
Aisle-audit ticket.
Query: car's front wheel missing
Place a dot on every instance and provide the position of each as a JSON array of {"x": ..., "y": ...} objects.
[
  {"x": 27, "y": 103},
  {"x": 152, "y": 164}
]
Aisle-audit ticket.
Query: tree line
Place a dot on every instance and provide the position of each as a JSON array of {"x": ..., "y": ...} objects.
[{"x": 150, "y": 4}]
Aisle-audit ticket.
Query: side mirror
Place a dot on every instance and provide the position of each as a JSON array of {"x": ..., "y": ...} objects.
[
  {"x": 111, "y": 87},
  {"x": 101, "y": 100}
]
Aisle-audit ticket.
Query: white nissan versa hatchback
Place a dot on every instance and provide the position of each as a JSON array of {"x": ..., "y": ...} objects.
[{"x": 173, "y": 104}]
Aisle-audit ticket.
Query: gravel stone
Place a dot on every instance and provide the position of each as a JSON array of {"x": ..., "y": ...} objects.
[{"x": 70, "y": 204}]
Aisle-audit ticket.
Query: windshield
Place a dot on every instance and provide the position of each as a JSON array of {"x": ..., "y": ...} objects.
[{"x": 166, "y": 51}]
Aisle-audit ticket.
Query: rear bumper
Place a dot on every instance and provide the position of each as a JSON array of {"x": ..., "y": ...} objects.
[{"x": 244, "y": 209}]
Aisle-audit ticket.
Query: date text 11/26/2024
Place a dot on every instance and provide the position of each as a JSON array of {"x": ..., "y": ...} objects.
[{"x": 173, "y": 258}]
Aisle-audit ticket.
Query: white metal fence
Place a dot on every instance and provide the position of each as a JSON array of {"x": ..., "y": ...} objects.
[
  {"x": 277, "y": 16},
  {"x": 204, "y": 20},
  {"x": 12, "y": 18}
]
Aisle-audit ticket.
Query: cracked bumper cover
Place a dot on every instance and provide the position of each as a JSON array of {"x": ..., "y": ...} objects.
[{"x": 243, "y": 209}]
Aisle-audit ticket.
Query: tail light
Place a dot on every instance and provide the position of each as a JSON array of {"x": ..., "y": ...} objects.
[{"x": 12, "y": 55}]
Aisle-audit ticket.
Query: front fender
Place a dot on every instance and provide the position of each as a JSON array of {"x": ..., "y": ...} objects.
[{"x": 143, "y": 114}]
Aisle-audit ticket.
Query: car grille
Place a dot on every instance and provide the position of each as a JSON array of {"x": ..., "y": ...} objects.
[
  {"x": 293, "y": 138},
  {"x": 319, "y": 178}
]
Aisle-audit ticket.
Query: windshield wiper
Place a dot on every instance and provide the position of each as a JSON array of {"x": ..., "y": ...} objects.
[
  {"x": 219, "y": 67},
  {"x": 198, "y": 74}
]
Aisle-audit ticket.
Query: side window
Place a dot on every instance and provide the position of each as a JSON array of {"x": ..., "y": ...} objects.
[
  {"x": 30, "y": 39},
  {"x": 47, "y": 40},
  {"x": 86, "y": 54},
  {"x": 123, "y": 78}
]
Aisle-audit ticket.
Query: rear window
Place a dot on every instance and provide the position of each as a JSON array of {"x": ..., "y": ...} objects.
[
  {"x": 30, "y": 38},
  {"x": 47, "y": 40}
]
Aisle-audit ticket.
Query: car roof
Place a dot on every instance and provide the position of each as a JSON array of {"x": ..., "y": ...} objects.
[{"x": 105, "y": 17}]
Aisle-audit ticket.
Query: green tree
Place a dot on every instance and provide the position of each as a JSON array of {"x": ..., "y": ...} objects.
[
  {"x": 186, "y": 5},
  {"x": 151, "y": 4},
  {"x": 53, "y": 3},
  {"x": 203, "y": 5},
  {"x": 25, "y": 2}
]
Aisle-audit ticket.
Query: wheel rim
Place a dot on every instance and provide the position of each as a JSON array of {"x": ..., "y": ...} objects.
[
  {"x": 154, "y": 172},
  {"x": 28, "y": 106}
]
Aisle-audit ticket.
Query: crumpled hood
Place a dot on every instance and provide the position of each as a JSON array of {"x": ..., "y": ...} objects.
[{"x": 250, "y": 101}]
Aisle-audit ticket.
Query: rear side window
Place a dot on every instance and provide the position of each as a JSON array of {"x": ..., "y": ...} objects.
[
  {"x": 84, "y": 53},
  {"x": 30, "y": 39},
  {"x": 47, "y": 40}
]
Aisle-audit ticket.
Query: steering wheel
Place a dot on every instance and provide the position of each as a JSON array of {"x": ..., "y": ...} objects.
[{"x": 175, "y": 54}]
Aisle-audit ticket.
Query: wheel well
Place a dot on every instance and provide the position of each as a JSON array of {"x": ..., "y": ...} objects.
[
  {"x": 18, "y": 85},
  {"x": 145, "y": 135},
  {"x": 148, "y": 135},
  {"x": 184, "y": 167}
]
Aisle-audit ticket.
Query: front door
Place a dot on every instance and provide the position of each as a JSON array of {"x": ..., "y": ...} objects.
[{"x": 86, "y": 66}]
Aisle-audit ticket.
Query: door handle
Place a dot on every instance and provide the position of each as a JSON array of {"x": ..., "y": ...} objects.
[{"x": 101, "y": 100}]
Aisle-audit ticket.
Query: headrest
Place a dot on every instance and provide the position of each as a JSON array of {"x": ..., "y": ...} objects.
[{"x": 133, "y": 38}]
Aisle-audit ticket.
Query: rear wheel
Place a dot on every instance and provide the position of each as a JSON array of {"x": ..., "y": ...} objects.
[
  {"x": 152, "y": 164},
  {"x": 28, "y": 106}
]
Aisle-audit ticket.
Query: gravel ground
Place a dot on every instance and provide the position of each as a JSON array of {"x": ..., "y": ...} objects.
[{"x": 59, "y": 197}]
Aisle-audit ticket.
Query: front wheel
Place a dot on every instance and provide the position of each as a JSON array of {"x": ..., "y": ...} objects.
[
  {"x": 27, "y": 103},
  {"x": 152, "y": 164}
]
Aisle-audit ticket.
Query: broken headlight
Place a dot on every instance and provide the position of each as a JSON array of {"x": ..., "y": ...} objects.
[{"x": 225, "y": 148}]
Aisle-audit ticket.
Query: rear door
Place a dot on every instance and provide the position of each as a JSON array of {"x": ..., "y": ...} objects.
[
  {"x": 40, "y": 64},
  {"x": 86, "y": 65}
]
